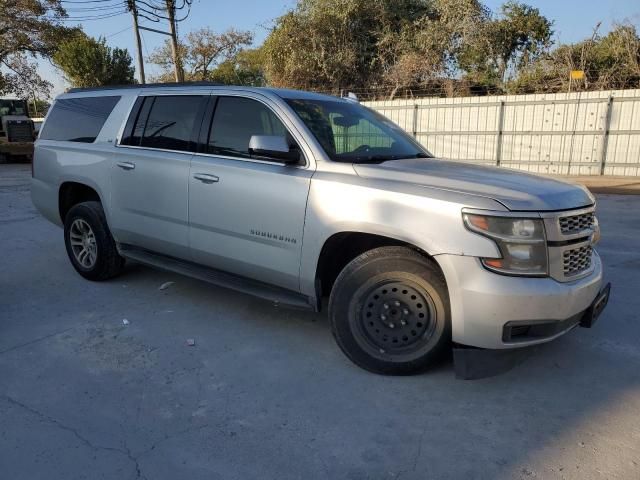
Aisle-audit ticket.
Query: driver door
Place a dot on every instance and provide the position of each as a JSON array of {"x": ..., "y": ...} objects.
[{"x": 246, "y": 216}]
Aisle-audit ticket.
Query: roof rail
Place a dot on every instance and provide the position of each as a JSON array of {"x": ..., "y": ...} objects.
[{"x": 148, "y": 85}]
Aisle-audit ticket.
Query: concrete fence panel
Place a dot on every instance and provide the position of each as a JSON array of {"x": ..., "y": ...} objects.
[{"x": 582, "y": 133}]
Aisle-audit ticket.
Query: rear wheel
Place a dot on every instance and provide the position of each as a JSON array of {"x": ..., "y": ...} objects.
[
  {"x": 389, "y": 311},
  {"x": 90, "y": 246}
]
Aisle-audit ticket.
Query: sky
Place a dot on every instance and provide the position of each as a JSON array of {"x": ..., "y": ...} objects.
[{"x": 573, "y": 21}]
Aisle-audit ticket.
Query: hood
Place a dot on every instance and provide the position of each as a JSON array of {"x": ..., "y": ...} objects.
[{"x": 516, "y": 190}]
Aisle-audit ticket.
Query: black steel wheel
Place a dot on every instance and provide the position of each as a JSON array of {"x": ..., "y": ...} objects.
[{"x": 389, "y": 311}]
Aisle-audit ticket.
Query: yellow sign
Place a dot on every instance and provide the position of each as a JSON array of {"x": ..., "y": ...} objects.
[{"x": 577, "y": 74}]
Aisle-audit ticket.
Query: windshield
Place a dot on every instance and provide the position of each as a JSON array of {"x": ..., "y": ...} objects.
[
  {"x": 12, "y": 107},
  {"x": 349, "y": 132}
]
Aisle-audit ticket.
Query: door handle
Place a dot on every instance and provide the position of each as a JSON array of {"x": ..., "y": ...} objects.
[
  {"x": 206, "y": 178},
  {"x": 126, "y": 165}
]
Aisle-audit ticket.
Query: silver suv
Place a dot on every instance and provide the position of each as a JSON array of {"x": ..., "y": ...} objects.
[{"x": 295, "y": 196}]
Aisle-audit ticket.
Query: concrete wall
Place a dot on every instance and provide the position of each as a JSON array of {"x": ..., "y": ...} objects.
[{"x": 585, "y": 133}]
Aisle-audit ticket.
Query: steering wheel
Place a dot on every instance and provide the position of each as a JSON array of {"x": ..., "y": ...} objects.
[{"x": 362, "y": 149}]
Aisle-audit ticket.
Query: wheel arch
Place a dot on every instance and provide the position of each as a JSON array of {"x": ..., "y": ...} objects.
[
  {"x": 342, "y": 247},
  {"x": 71, "y": 193}
]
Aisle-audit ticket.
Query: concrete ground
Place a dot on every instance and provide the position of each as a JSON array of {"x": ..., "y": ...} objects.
[{"x": 266, "y": 394}]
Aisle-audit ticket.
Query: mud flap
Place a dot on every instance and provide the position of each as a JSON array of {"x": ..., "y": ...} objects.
[{"x": 472, "y": 363}]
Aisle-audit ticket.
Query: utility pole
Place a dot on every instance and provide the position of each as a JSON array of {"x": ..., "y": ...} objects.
[
  {"x": 177, "y": 64},
  {"x": 131, "y": 6}
]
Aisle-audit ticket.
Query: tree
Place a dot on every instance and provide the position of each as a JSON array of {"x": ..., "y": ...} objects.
[
  {"x": 325, "y": 44},
  {"x": 245, "y": 68},
  {"x": 23, "y": 80},
  {"x": 503, "y": 46},
  {"x": 87, "y": 62},
  {"x": 424, "y": 51},
  {"x": 610, "y": 61},
  {"x": 360, "y": 44},
  {"x": 356, "y": 44},
  {"x": 28, "y": 28},
  {"x": 202, "y": 52},
  {"x": 38, "y": 107}
]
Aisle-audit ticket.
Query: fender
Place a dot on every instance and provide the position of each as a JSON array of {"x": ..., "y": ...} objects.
[{"x": 344, "y": 203}]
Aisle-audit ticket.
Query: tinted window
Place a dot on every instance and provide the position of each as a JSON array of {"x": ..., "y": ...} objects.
[
  {"x": 171, "y": 122},
  {"x": 78, "y": 119},
  {"x": 234, "y": 122},
  {"x": 137, "y": 119}
]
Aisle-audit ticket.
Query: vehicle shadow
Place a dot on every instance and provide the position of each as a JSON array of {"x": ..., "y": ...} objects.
[{"x": 549, "y": 417}]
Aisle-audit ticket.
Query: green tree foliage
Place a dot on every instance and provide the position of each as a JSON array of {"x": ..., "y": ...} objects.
[
  {"x": 610, "y": 61},
  {"x": 501, "y": 47},
  {"x": 354, "y": 44},
  {"x": 87, "y": 62},
  {"x": 28, "y": 28},
  {"x": 202, "y": 52},
  {"x": 38, "y": 107},
  {"x": 244, "y": 68},
  {"x": 327, "y": 43},
  {"x": 401, "y": 43},
  {"x": 425, "y": 50}
]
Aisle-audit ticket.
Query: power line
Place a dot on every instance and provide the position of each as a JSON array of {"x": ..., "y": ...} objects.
[
  {"x": 86, "y": 1},
  {"x": 94, "y": 9},
  {"x": 118, "y": 32},
  {"x": 87, "y": 17}
]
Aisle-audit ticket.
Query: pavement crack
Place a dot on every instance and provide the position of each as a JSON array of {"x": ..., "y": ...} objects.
[
  {"x": 179, "y": 433},
  {"x": 85, "y": 441},
  {"x": 135, "y": 461},
  {"x": 31, "y": 342},
  {"x": 419, "y": 450}
]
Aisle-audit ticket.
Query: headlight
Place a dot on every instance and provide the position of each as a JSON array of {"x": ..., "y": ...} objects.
[
  {"x": 596, "y": 231},
  {"x": 521, "y": 241}
]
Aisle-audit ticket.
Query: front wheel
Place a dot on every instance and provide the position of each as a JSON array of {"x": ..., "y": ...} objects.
[{"x": 389, "y": 311}]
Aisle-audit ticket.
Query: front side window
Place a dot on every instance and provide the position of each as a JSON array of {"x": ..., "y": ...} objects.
[
  {"x": 349, "y": 132},
  {"x": 236, "y": 120},
  {"x": 12, "y": 107},
  {"x": 171, "y": 122},
  {"x": 78, "y": 119}
]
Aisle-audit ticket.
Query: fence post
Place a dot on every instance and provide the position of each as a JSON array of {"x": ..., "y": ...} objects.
[
  {"x": 415, "y": 121},
  {"x": 499, "y": 133},
  {"x": 605, "y": 137}
]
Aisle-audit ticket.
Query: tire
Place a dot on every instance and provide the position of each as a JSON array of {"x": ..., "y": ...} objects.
[
  {"x": 85, "y": 228},
  {"x": 389, "y": 311}
]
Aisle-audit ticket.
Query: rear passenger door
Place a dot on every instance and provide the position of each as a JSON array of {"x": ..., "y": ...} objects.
[
  {"x": 150, "y": 174},
  {"x": 246, "y": 214}
]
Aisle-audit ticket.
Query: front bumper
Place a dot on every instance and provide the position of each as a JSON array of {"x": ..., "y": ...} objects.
[{"x": 487, "y": 308}]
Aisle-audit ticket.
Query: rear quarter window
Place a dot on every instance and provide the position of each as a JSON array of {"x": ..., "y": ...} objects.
[{"x": 78, "y": 119}]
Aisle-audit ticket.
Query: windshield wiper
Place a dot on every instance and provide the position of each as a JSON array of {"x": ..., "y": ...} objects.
[
  {"x": 384, "y": 158},
  {"x": 374, "y": 159}
]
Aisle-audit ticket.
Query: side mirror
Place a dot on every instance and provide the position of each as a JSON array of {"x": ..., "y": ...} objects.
[{"x": 273, "y": 146}]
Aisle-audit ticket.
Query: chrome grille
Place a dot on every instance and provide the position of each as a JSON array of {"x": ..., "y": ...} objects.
[
  {"x": 576, "y": 223},
  {"x": 576, "y": 260}
]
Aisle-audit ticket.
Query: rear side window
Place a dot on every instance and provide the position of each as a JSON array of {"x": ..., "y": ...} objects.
[
  {"x": 235, "y": 120},
  {"x": 167, "y": 122},
  {"x": 78, "y": 119}
]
